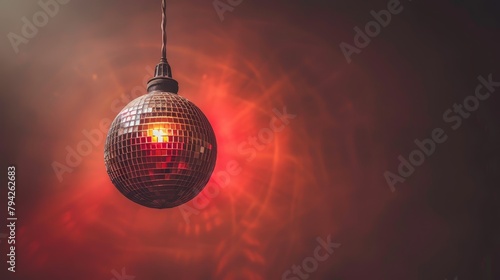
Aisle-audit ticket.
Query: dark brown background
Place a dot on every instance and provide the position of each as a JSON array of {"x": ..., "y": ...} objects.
[{"x": 322, "y": 175}]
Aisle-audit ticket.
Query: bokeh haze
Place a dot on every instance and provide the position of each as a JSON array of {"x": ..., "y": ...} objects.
[{"x": 322, "y": 175}]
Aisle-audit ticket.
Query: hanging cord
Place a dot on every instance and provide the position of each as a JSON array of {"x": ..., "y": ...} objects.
[
  {"x": 164, "y": 31},
  {"x": 163, "y": 81},
  {"x": 163, "y": 68}
]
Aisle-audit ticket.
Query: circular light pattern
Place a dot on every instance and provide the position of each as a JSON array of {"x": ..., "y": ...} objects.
[{"x": 160, "y": 150}]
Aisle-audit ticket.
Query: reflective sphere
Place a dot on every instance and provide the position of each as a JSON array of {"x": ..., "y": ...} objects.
[{"x": 160, "y": 150}]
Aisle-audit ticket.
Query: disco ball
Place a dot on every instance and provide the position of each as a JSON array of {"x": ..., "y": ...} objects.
[{"x": 160, "y": 150}]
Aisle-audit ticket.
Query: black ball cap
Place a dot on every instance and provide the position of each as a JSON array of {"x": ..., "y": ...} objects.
[
  {"x": 164, "y": 84},
  {"x": 162, "y": 80}
]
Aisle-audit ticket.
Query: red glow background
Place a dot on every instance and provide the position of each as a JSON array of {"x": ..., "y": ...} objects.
[{"x": 322, "y": 175}]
